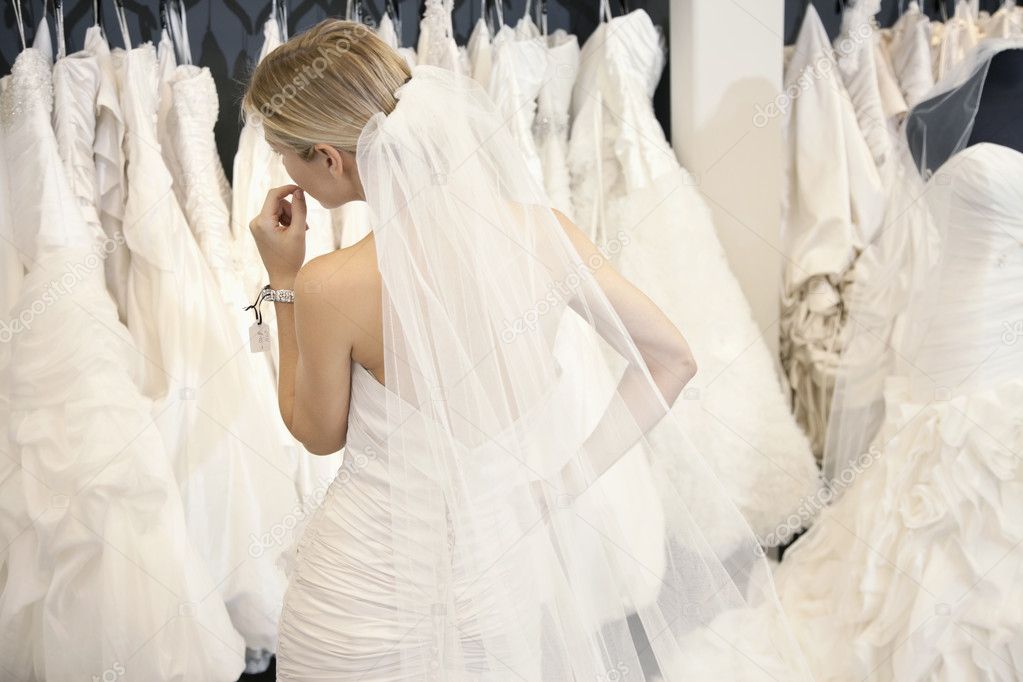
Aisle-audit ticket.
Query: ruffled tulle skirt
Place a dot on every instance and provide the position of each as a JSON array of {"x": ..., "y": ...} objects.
[{"x": 916, "y": 572}]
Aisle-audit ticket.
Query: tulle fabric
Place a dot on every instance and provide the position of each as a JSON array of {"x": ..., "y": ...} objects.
[{"x": 475, "y": 450}]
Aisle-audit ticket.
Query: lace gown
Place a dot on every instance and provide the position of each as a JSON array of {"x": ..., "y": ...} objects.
[
  {"x": 102, "y": 579},
  {"x": 236, "y": 481},
  {"x": 916, "y": 573},
  {"x": 632, "y": 196}
]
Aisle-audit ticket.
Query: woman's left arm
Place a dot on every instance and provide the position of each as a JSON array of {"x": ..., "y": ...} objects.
[{"x": 314, "y": 377}]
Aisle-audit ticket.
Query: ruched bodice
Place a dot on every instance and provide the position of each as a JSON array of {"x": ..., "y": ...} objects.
[
  {"x": 973, "y": 338},
  {"x": 342, "y": 595}
]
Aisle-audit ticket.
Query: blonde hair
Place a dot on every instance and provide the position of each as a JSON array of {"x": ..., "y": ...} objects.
[{"x": 323, "y": 85}]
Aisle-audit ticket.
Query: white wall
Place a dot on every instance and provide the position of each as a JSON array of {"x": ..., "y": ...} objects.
[{"x": 726, "y": 59}]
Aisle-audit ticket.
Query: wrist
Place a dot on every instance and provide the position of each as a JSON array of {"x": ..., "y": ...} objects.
[{"x": 282, "y": 281}]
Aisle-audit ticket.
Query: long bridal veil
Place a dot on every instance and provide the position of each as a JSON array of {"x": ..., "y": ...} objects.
[{"x": 488, "y": 459}]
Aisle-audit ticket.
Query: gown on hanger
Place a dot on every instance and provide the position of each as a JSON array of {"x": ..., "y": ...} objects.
[
  {"x": 386, "y": 31},
  {"x": 910, "y": 51},
  {"x": 236, "y": 480},
  {"x": 108, "y": 157},
  {"x": 436, "y": 45},
  {"x": 832, "y": 202},
  {"x": 124, "y": 591},
  {"x": 959, "y": 37},
  {"x": 190, "y": 122},
  {"x": 916, "y": 572},
  {"x": 17, "y": 537},
  {"x": 480, "y": 52},
  {"x": 1006, "y": 22},
  {"x": 518, "y": 70},
  {"x": 551, "y": 125},
  {"x": 631, "y": 194}
]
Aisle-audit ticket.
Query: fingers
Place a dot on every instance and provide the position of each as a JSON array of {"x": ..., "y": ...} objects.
[
  {"x": 271, "y": 206},
  {"x": 298, "y": 207}
]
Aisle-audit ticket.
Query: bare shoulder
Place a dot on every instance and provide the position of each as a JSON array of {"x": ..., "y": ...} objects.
[
  {"x": 345, "y": 274},
  {"x": 338, "y": 294}
]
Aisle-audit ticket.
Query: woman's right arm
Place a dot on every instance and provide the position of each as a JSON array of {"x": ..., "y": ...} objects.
[
  {"x": 660, "y": 343},
  {"x": 634, "y": 408}
]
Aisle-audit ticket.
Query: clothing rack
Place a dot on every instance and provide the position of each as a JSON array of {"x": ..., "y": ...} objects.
[
  {"x": 830, "y": 12},
  {"x": 226, "y": 35}
]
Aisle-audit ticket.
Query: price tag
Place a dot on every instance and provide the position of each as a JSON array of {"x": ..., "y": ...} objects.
[{"x": 259, "y": 338}]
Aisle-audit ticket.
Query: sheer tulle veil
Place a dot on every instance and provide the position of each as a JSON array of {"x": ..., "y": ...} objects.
[{"x": 483, "y": 441}]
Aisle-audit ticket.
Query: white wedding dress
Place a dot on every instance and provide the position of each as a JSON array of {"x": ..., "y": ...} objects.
[
  {"x": 551, "y": 125},
  {"x": 518, "y": 69},
  {"x": 916, "y": 573},
  {"x": 631, "y": 195},
  {"x": 236, "y": 480},
  {"x": 103, "y": 579},
  {"x": 910, "y": 51},
  {"x": 190, "y": 122},
  {"x": 108, "y": 157}
]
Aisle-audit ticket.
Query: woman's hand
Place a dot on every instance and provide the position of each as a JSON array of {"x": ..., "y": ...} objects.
[{"x": 279, "y": 231}]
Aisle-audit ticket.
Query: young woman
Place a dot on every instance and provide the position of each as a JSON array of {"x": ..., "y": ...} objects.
[{"x": 455, "y": 539}]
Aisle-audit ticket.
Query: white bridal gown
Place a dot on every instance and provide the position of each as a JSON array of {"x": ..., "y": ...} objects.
[
  {"x": 108, "y": 157},
  {"x": 551, "y": 125},
  {"x": 916, "y": 573},
  {"x": 236, "y": 480},
  {"x": 832, "y": 203},
  {"x": 632, "y": 196},
  {"x": 103, "y": 580}
]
